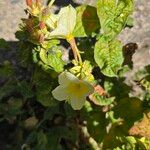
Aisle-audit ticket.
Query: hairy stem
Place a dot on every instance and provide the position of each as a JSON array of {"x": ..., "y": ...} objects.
[
  {"x": 75, "y": 49},
  {"x": 51, "y": 3}
]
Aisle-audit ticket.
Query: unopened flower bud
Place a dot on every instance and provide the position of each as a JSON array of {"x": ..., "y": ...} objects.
[
  {"x": 29, "y": 3},
  {"x": 42, "y": 25},
  {"x": 41, "y": 38}
]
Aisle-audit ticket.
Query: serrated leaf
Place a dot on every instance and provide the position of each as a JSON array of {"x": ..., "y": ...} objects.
[
  {"x": 102, "y": 101},
  {"x": 99, "y": 97},
  {"x": 87, "y": 21},
  {"x": 108, "y": 55},
  {"x": 53, "y": 59},
  {"x": 113, "y": 15}
]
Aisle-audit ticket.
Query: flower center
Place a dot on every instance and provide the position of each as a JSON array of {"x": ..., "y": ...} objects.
[{"x": 78, "y": 89}]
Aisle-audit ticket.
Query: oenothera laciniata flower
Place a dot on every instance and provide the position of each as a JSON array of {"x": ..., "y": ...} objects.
[
  {"x": 73, "y": 90},
  {"x": 65, "y": 24}
]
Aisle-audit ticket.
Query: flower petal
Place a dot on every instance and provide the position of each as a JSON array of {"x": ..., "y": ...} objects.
[
  {"x": 66, "y": 78},
  {"x": 59, "y": 93},
  {"x": 89, "y": 87},
  {"x": 77, "y": 102}
]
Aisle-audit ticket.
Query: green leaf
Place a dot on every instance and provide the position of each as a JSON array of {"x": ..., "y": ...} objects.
[
  {"x": 43, "y": 85},
  {"x": 38, "y": 140},
  {"x": 142, "y": 73},
  {"x": 24, "y": 53},
  {"x": 87, "y": 21},
  {"x": 42, "y": 139},
  {"x": 66, "y": 23},
  {"x": 3, "y": 44},
  {"x": 25, "y": 89},
  {"x": 15, "y": 103},
  {"x": 108, "y": 55},
  {"x": 61, "y": 132},
  {"x": 6, "y": 69},
  {"x": 130, "y": 22},
  {"x": 53, "y": 59},
  {"x": 116, "y": 87},
  {"x": 129, "y": 109},
  {"x": 113, "y": 15},
  {"x": 102, "y": 101},
  {"x": 110, "y": 116},
  {"x": 45, "y": 99},
  {"x": 96, "y": 124},
  {"x": 54, "y": 137},
  {"x": 145, "y": 82},
  {"x": 7, "y": 89},
  {"x": 31, "y": 122},
  {"x": 11, "y": 109},
  {"x": 50, "y": 112}
]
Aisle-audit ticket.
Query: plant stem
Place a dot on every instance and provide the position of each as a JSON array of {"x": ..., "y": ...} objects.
[
  {"x": 89, "y": 139},
  {"x": 75, "y": 49},
  {"x": 51, "y": 3},
  {"x": 83, "y": 133}
]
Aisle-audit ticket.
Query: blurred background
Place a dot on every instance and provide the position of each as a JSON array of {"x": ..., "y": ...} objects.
[{"x": 11, "y": 11}]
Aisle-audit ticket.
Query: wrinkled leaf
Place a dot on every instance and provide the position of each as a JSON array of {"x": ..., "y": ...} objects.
[
  {"x": 108, "y": 55},
  {"x": 113, "y": 15},
  {"x": 53, "y": 59},
  {"x": 102, "y": 101}
]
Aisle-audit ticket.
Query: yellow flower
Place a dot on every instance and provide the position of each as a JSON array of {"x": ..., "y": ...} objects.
[{"x": 72, "y": 90}]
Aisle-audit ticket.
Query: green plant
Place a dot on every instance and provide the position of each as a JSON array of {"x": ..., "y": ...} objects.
[{"x": 100, "y": 111}]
